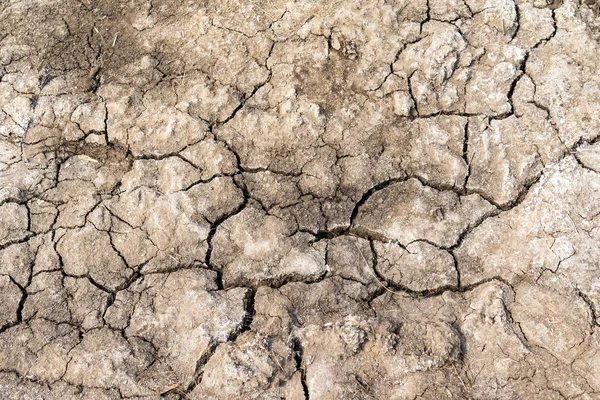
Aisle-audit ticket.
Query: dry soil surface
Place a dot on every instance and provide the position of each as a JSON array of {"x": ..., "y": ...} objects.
[{"x": 238, "y": 199}]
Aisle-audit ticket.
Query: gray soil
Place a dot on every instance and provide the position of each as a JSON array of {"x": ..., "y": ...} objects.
[{"x": 266, "y": 199}]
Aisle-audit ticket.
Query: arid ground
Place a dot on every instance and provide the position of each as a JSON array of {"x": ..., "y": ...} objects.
[{"x": 267, "y": 199}]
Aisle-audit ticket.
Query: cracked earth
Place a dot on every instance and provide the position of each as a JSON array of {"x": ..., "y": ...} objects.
[{"x": 299, "y": 200}]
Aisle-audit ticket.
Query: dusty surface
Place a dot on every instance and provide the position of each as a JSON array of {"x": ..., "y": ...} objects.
[{"x": 291, "y": 200}]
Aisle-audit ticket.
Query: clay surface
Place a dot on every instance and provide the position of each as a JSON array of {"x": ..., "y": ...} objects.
[{"x": 273, "y": 199}]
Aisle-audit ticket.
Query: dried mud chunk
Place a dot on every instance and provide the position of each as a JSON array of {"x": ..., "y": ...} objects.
[
  {"x": 567, "y": 80},
  {"x": 301, "y": 304},
  {"x": 552, "y": 233},
  {"x": 272, "y": 189},
  {"x": 86, "y": 302},
  {"x": 134, "y": 244},
  {"x": 14, "y": 387},
  {"x": 281, "y": 140},
  {"x": 319, "y": 175},
  {"x": 202, "y": 98},
  {"x": 90, "y": 117},
  {"x": 535, "y": 24},
  {"x": 419, "y": 267},
  {"x": 14, "y": 224},
  {"x": 310, "y": 214},
  {"x": 75, "y": 199},
  {"x": 211, "y": 157},
  {"x": 16, "y": 106},
  {"x": 587, "y": 366},
  {"x": 16, "y": 175},
  {"x": 231, "y": 58},
  {"x": 8, "y": 129},
  {"x": 124, "y": 104},
  {"x": 89, "y": 252},
  {"x": 42, "y": 214},
  {"x": 177, "y": 233},
  {"x": 487, "y": 91},
  {"x": 163, "y": 131},
  {"x": 448, "y": 10},
  {"x": 254, "y": 367},
  {"x": 105, "y": 359},
  {"x": 169, "y": 175},
  {"x": 493, "y": 351},
  {"x": 132, "y": 206},
  {"x": 172, "y": 227},
  {"x": 182, "y": 315},
  {"x": 502, "y": 158},
  {"x": 64, "y": 299},
  {"x": 372, "y": 356},
  {"x": 216, "y": 199},
  {"x": 47, "y": 298},
  {"x": 366, "y": 44},
  {"x": 104, "y": 172},
  {"x": 589, "y": 156},
  {"x": 428, "y": 345},
  {"x": 253, "y": 248},
  {"x": 10, "y": 297},
  {"x": 431, "y": 64},
  {"x": 351, "y": 258},
  {"x": 551, "y": 319},
  {"x": 493, "y": 23},
  {"x": 409, "y": 211},
  {"x": 539, "y": 128},
  {"x": 17, "y": 260},
  {"x": 39, "y": 349},
  {"x": 488, "y": 326},
  {"x": 436, "y": 150},
  {"x": 431, "y": 148},
  {"x": 232, "y": 15}
]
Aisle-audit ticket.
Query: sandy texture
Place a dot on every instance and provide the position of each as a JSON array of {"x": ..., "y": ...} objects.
[{"x": 299, "y": 200}]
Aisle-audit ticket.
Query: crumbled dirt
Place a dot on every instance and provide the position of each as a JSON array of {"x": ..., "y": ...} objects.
[{"x": 272, "y": 199}]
